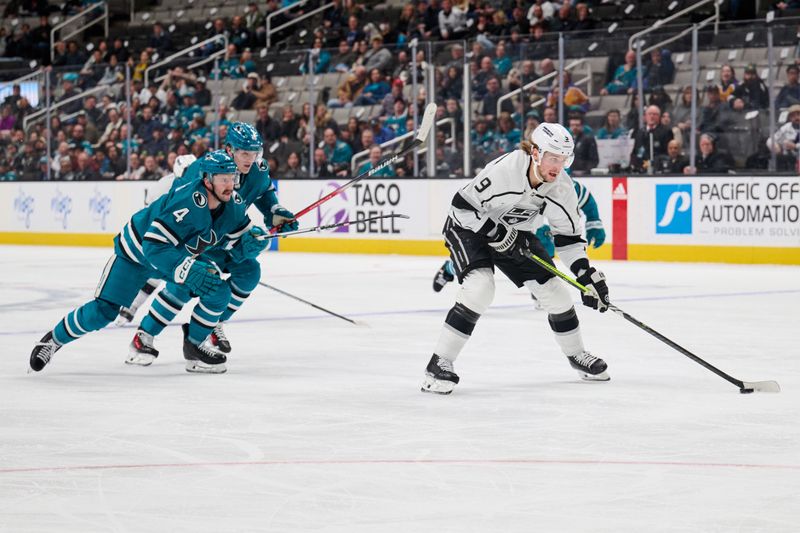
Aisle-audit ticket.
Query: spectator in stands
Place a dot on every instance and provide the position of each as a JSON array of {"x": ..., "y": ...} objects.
[
  {"x": 549, "y": 115},
  {"x": 7, "y": 121},
  {"x": 711, "y": 119},
  {"x": 140, "y": 67},
  {"x": 152, "y": 171},
  {"x": 337, "y": 153},
  {"x": 289, "y": 123},
  {"x": 508, "y": 135},
  {"x": 502, "y": 63},
  {"x": 69, "y": 90},
  {"x": 499, "y": 25},
  {"x": 574, "y": 98},
  {"x": 563, "y": 21},
  {"x": 157, "y": 145},
  {"x": 481, "y": 78},
  {"x": 452, "y": 22},
  {"x": 710, "y": 161},
  {"x": 403, "y": 68},
  {"x": 682, "y": 113},
  {"x": 586, "y": 157},
  {"x": 160, "y": 41},
  {"x": 13, "y": 98},
  {"x": 322, "y": 169},
  {"x": 378, "y": 57},
  {"x": 350, "y": 89},
  {"x": 269, "y": 129},
  {"x": 532, "y": 121},
  {"x": 365, "y": 140},
  {"x": 624, "y": 79},
  {"x": 75, "y": 57},
  {"x": 751, "y": 93},
  {"x": 790, "y": 93},
  {"x": 375, "y": 90},
  {"x": 353, "y": 33},
  {"x": 254, "y": 22},
  {"x": 673, "y": 162},
  {"x": 344, "y": 59},
  {"x": 660, "y": 70},
  {"x": 240, "y": 67},
  {"x": 323, "y": 119},
  {"x": 612, "y": 129},
  {"x": 387, "y": 104},
  {"x": 451, "y": 84},
  {"x": 493, "y": 94},
  {"x": 483, "y": 142},
  {"x": 119, "y": 50},
  {"x": 397, "y": 120},
  {"x": 321, "y": 58},
  {"x": 239, "y": 34},
  {"x": 536, "y": 15},
  {"x": 381, "y": 133},
  {"x": 728, "y": 83},
  {"x": 375, "y": 154},
  {"x": 584, "y": 20},
  {"x": 294, "y": 167},
  {"x": 219, "y": 30},
  {"x": 786, "y": 140},
  {"x": 650, "y": 141},
  {"x": 666, "y": 121}
]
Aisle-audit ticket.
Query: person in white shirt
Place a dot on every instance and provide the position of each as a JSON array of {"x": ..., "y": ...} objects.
[{"x": 491, "y": 224}]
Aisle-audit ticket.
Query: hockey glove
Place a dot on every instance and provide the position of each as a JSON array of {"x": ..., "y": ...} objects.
[
  {"x": 513, "y": 242},
  {"x": 597, "y": 295},
  {"x": 202, "y": 278},
  {"x": 281, "y": 217},
  {"x": 249, "y": 245},
  {"x": 595, "y": 234}
]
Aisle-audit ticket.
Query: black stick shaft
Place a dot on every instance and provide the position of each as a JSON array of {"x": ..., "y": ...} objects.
[{"x": 315, "y": 306}]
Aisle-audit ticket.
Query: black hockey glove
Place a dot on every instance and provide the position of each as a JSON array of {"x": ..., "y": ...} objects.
[
  {"x": 513, "y": 242},
  {"x": 597, "y": 295}
]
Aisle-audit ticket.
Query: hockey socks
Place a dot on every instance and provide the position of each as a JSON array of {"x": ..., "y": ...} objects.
[{"x": 458, "y": 327}]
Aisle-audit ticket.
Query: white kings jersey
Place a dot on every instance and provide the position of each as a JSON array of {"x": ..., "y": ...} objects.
[{"x": 502, "y": 194}]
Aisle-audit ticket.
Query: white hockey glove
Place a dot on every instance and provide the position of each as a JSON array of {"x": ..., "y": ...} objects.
[{"x": 182, "y": 162}]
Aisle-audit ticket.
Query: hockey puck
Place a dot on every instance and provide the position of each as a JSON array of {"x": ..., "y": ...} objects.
[{"x": 745, "y": 391}]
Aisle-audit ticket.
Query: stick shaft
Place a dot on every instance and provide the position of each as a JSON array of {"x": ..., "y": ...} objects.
[{"x": 315, "y": 306}]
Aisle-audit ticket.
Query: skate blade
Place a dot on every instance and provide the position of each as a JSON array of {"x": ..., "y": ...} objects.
[
  {"x": 198, "y": 367},
  {"x": 437, "y": 386},
  {"x": 140, "y": 360},
  {"x": 602, "y": 376}
]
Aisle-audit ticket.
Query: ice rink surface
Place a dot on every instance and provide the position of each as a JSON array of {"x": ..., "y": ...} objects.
[{"x": 320, "y": 425}]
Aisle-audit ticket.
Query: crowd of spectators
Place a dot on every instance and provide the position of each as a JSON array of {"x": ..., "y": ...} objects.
[{"x": 509, "y": 46}]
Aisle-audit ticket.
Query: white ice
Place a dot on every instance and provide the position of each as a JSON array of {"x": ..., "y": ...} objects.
[{"x": 320, "y": 425}]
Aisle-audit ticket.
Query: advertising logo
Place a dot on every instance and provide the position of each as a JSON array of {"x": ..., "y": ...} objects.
[
  {"x": 100, "y": 207},
  {"x": 61, "y": 205},
  {"x": 334, "y": 211},
  {"x": 674, "y": 209},
  {"x": 24, "y": 206}
]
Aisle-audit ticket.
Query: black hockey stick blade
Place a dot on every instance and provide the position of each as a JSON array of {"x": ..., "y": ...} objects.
[{"x": 331, "y": 226}]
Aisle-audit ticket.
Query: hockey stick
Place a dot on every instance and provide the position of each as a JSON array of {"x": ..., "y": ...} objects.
[
  {"x": 744, "y": 386},
  {"x": 315, "y": 306},
  {"x": 329, "y": 226},
  {"x": 422, "y": 136}
]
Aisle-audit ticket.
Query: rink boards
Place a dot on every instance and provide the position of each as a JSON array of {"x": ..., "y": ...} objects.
[{"x": 734, "y": 219}]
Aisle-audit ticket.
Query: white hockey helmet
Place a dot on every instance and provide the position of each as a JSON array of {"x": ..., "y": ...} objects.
[{"x": 556, "y": 139}]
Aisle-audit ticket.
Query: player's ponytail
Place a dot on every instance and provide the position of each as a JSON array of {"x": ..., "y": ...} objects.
[{"x": 527, "y": 147}]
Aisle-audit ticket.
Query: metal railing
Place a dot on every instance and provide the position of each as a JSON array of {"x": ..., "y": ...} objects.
[
  {"x": 187, "y": 51},
  {"x": 638, "y": 35},
  {"x": 36, "y": 116},
  {"x": 271, "y": 30},
  {"x": 357, "y": 158},
  {"x": 57, "y": 27},
  {"x": 586, "y": 79}
]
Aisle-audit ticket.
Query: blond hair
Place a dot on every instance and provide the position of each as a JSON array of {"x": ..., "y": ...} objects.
[{"x": 527, "y": 147}]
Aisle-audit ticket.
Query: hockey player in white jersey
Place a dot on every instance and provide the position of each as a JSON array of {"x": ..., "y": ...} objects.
[{"x": 490, "y": 225}]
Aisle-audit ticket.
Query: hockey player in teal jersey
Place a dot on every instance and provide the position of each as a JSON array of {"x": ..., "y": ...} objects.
[
  {"x": 595, "y": 235},
  {"x": 166, "y": 240},
  {"x": 244, "y": 144}
]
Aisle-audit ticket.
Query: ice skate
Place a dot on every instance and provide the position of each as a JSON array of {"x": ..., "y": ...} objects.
[
  {"x": 202, "y": 358},
  {"x": 125, "y": 316},
  {"x": 141, "y": 351},
  {"x": 43, "y": 352},
  {"x": 219, "y": 340},
  {"x": 442, "y": 277},
  {"x": 589, "y": 367},
  {"x": 440, "y": 378}
]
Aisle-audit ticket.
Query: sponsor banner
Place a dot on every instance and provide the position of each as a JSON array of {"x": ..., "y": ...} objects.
[{"x": 733, "y": 211}]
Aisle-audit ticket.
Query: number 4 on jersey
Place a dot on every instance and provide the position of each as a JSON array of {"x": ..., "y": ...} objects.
[{"x": 180, "y": 214}]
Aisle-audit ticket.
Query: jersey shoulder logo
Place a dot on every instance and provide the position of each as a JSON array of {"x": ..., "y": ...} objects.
[
  {"x": 201, "y": 245},
  {"x": 263, "y": 165},
  {"x": 237, "y": 199},
  {"x": 199, "y": 199}
]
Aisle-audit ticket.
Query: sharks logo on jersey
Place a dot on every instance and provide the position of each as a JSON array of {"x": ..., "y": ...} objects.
[
  {"x": 201, "y": 245},
  {"x": 199, "y": 199}
]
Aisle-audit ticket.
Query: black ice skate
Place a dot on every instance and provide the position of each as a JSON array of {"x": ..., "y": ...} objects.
[
  {"x": 439, "y": 376},
  {"x": 141, "y": 351},
  {"x": 43, "y": 352},
  {"x": 589, "y": 367},
  {"x": 442, "y": 278},
  {"x": 202, "y": 358},
  {"x": 219, "y": 339}
]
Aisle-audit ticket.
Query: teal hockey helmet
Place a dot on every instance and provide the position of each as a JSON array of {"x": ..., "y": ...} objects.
[
  {"x": 217, "y": 162},
  {"x": 243, "y": 136}
]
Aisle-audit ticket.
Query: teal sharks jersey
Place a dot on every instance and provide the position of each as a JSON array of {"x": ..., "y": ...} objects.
[{"x": 179, "y": 225}]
